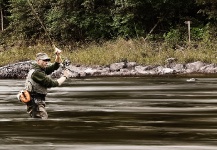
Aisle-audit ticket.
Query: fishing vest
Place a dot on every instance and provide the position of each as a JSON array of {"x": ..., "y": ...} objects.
[{"x": 32, "y": 86}]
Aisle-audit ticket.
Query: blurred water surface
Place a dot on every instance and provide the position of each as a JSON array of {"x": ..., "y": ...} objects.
[{"x": 114, "y": 114}]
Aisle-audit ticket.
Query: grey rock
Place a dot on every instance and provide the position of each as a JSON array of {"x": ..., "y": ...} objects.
[
  {"x": 194, "y": 67},
  {"x": 210, "y": 68},
  {"x": 117, "y": 66},
  {"x": 21, "y": 69},
  {"x": 179, "y": 68},
  {"x": 131, "y": 65}
]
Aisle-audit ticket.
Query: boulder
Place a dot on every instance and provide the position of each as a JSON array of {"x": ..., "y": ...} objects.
[
  {"x": 21, "y": 69},
  {"x": 194, "y": 67}
]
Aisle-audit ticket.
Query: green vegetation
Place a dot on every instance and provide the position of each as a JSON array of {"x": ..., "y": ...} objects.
[
  {"x": 119, "y": 50},
  {"x": 100, "y": 32}
]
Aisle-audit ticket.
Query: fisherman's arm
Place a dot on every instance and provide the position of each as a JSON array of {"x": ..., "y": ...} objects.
[
  {"x": 45, "y": 81},
  {"x": 52, "y": 68},
  {"x": 56, "y": 64}
]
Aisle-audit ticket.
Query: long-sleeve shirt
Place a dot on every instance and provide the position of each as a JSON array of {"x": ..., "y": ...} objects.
[{"x": 40, "y": 75}]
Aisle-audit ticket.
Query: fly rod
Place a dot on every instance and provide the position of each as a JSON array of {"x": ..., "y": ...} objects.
[
  {"x": 65, "y": 62},
  {"x": 42, "y": 24}
]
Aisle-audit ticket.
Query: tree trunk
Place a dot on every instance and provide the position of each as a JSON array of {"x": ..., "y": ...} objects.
[{"x": 2, "y": 21}]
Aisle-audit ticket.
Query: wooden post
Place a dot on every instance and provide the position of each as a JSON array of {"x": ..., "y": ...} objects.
[{"x": 189, "y": 30}]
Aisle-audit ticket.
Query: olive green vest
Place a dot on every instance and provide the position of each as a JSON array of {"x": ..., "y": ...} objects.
[{"x": 32, "y": 86}]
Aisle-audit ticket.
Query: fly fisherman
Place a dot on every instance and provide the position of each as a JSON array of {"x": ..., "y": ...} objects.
[{"x": 38, "y": 81}]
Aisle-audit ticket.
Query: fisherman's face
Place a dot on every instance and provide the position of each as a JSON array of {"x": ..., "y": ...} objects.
[{"x": 43, "y": 63}]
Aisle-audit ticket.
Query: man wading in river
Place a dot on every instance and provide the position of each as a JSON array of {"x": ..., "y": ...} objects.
[{"x": 37, "y": 83}]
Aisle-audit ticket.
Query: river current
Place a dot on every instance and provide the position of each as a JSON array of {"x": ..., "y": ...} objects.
[{"x": 132, "y": 113}]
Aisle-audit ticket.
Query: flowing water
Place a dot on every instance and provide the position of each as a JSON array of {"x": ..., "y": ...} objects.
[{"x": 114, "y": 114}]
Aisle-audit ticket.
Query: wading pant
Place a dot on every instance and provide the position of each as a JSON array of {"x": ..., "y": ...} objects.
[{"x": 36, "y": 106}]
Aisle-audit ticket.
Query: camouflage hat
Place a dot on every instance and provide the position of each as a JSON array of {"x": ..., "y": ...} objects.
[{"x": 42, "y": 56}]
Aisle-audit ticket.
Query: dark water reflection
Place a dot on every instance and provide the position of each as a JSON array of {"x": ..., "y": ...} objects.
[{"x": 115, "y": 113}]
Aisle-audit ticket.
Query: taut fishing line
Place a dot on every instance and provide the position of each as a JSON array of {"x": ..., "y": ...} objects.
[{"x": 66, "y": 62}]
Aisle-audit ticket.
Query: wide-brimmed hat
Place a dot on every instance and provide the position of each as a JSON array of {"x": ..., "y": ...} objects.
[{"x": 42, "y": 56}]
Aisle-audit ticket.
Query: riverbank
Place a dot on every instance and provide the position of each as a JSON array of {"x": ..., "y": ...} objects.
[
  {"x": 133, "y": 50},
  {"x": 20, "y": 70}
]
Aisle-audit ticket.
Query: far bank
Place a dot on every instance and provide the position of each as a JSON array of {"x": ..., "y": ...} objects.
[
  {"x": 121, "y": 50},
  {"x": 120, "y": 69}
]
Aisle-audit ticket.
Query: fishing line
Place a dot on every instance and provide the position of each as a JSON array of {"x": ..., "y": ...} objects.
[
  {"x": 42, "y": 24},
  {"x": 65, "y": 62}
]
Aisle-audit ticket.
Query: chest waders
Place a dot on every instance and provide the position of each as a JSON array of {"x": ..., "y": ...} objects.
[{"x": 36, "y": 106}]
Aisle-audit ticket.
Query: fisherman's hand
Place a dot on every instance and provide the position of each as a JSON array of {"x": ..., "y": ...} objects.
[
  {"x": 58, "y": 57},
  {"x": 64, "y": 77},
  {"x": 66, "y": 73},
  {"x": 57, "y": 51}
]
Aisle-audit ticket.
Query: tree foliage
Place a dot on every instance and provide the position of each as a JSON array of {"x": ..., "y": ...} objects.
[
  {"x": 94, "y": 20},
  {"x": 4, "y": 12},
  {"x": 209, "y": 9}
]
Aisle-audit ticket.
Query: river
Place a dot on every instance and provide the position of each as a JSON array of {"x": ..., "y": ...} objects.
[{"x": 128, "y": 113}]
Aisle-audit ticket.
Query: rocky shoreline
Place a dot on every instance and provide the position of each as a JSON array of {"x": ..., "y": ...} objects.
[{"x": 20, "y": 70}]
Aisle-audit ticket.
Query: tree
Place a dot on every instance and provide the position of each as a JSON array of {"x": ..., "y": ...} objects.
[
  {"x": 1, "y": 15},
  {"x": 95, "y": 20},
  {"x": 209, "y": 8},
  {"x": 2, "y": 20}
]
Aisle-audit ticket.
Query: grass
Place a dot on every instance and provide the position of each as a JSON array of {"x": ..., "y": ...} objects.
[{"x": 145, "y": 53}]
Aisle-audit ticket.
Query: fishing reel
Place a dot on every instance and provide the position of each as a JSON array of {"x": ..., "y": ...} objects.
[{"x": 66, "y": 63}]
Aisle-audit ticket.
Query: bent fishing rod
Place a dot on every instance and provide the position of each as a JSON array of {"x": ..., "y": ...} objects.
[
  {"x": 66, "y": 62},
  {"x": 42, "y": 24}
]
